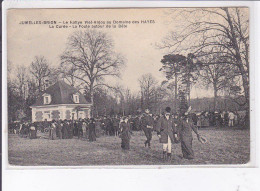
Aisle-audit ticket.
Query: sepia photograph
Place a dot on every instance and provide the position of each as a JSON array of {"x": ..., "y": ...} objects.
[{"x": 128, "y": 86}]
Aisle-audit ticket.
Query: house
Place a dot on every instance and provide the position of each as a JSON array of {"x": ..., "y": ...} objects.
[{"x": 60, "y": 101}]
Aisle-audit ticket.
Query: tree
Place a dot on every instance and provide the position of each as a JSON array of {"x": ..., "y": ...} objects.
[
  {"x": 40, "y": 70},
  {"x": 90, "y": 54},
  {"x": 180, "y": 68},
  {"x": 148, "y": 86},
  {"x": 208, "y": 31},
  {"x": 219, "y": 76},
  {"x": 21, "y": 81},
  {"x": 172, "y": 64}
]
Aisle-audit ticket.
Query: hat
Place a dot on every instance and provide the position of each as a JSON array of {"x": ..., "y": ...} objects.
[{"x": 168, "y": 109}]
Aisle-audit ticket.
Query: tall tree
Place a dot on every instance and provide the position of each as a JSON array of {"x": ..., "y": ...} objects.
[
  {"x": 208, "y": 31},
  {"x": 180, "y": 68},
  {"x": 172, "y": 65},
  {"x": 148, "y": 85},
  {"x": 91, "y": 54},
  {"x": 217, "y": 74},
  {"x": 40, "y": 70}
]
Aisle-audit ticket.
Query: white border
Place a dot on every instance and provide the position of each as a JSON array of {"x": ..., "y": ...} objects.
[{"x": 125, "y": 4}]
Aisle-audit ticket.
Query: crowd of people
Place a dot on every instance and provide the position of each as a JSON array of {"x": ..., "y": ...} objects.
[{"x": 170, "y": 128}]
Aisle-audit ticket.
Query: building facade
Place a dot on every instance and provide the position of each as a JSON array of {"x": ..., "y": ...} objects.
[{"x": 60, "y": 101}]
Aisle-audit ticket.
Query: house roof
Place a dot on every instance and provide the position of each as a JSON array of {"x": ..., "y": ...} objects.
[{"x": 61, "y": 93}]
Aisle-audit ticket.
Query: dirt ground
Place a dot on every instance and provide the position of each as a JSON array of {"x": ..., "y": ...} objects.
[{"x": 224, "y": 146}]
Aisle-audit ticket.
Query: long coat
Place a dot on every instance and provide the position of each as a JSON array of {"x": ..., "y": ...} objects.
[
  {"x": 52, "y": 133},
  {"x": 65, "y": 130},
  {"x": 125, "y": 135},
  {"x": 186, "y": 128},
  {"x": 32, "y": 132},
  {"x": 92, "y": 132},
  {"x": 59, "y": 130},
  {"x": 166, "y": 127},
  {"x": 147, "y": 124}
]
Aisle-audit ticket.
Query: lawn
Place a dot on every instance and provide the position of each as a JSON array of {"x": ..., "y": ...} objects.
[{"x": 224, "y": 146}]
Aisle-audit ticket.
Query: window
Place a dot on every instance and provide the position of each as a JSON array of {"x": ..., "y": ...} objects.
[
  {"x": 47, "y": 115},
  {"x": 75, "y": 98},
  {"x": 46, "y": 98}
]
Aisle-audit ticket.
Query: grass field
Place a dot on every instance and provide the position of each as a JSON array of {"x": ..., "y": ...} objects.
[{"x": 224, "y": 146}]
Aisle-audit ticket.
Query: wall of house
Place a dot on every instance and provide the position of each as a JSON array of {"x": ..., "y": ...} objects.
[{"x": 59, "y": 112}]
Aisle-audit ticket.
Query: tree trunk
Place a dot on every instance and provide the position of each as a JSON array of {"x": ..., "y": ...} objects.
[
  {"x": 215, "y": 96},
  {"x": 243, "y": 71},
  {"x": 91, "y": 91},
  {"x": 39, "y": 87},
  {"x": 176, "y": 93}
]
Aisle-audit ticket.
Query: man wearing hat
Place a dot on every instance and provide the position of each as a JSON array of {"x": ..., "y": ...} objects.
[
  {"x": 147, "y": 126},
  {"x": 166, "y": 131}
]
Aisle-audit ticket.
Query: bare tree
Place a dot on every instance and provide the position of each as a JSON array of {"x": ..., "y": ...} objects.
[
  {"x": 148, "y": 86},
  {"x": 219, "y": 76},
  {"x": 40, "y": 70},
  {"x": 68, "y": 73},
  {"x": 90, "y": 54},
  {"x": 208, "y": 31},
  {"x": 21, "y": 81}
]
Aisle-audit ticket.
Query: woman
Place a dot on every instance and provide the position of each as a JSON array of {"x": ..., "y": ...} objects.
[
  {"x": 52, "y": 133},
  {"x": 92, "y": 133},
  {"x": 186, "y": 128},
  {"x": 84, "y": 130},
  {"x": 32, "y": 131},
  {"x": 125, "y": 134}
]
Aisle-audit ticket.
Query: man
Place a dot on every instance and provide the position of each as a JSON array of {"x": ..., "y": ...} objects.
[
  {"x": 80, "y": 131},
  {"x": 166, "y": 131},
  {"x": 147, "y": 124},
  {"x": 59, "y": 129},
  {"x": 115, "y": 122}
]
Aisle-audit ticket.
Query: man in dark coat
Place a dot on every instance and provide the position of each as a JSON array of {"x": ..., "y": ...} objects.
[
  {"x": 147, "y": 124},
  {"x": 65, "y": 129},
  {"x": 115, "y": 122},
  {"x": 92, "y": 130},
  {"x": 59, "y": 129},
  {"x": 167, "y": 132},
  {"x": 70, "y": 129},
  {"x": 80, "y": 131}
]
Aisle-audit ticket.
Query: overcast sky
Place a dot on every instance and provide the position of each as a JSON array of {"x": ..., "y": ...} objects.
[{"x": 136, "y": 42}]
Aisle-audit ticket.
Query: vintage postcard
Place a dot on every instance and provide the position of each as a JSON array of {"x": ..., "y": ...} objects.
[{"x": 128, "y": 86}]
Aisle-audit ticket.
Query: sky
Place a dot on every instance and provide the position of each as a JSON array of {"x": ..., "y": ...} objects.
[{"x": 137, "y": 42}]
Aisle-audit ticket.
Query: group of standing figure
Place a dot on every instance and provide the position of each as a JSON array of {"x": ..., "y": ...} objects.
[
  {"x": 171, "y": 129},
  {"x": 66, "y": 129}
]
